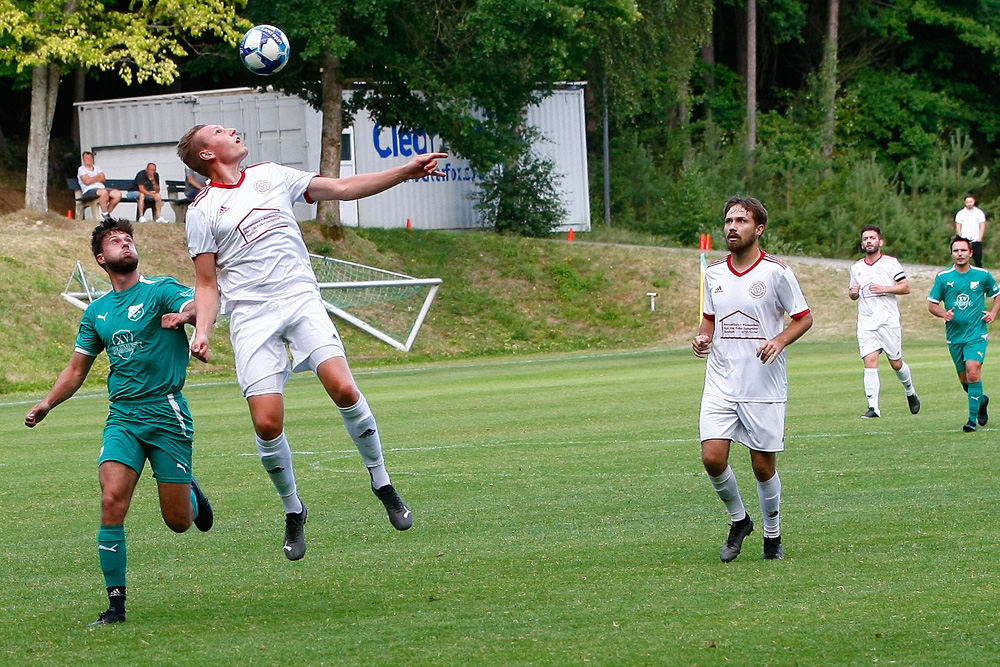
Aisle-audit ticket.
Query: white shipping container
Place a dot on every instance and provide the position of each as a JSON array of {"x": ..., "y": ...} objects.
[{"x": 126, "y": 134}]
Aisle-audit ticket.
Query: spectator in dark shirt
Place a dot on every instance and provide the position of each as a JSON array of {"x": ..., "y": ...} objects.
[{"x": 148, "y": 183}]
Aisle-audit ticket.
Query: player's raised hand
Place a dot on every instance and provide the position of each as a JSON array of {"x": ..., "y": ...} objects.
[
  {"x": 854, "y": 291},
  {"x": 35, "y": 415},
  {"x": 949, "y": 314},
  {"x": 700, "y": 345},
  {"x": 425, "y": 165},
  {"x": 199, "y": 347}
]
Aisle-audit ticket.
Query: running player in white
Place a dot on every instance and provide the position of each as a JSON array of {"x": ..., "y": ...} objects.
[
  {"x": 743, "y": 333},
  {"x": 245, "y": 241},
  {"x": 876, "y": 281}
]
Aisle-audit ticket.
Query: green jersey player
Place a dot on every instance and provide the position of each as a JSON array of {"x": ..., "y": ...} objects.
[
  {"x": 139, "y": 323},
  {"x": 959, "y": 298}
]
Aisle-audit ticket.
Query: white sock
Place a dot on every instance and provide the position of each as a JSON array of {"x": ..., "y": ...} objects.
[
  {"x": 769, "y": 493},
  {"x": 872, "y": 387},
  {"x": 729, "y": 492},
  {"x": 361, "y": 426},
  {"x": 906, "y": 379},
  {"x": 276, "y": 457}
]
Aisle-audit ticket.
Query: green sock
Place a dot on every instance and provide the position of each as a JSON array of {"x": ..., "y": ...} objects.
[
  {"x": 975, "y": 397},
  {"x": 113, "y": 555},
  {"x": 194, "y": 503}
]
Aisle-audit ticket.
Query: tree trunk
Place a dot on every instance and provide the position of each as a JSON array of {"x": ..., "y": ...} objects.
[
  {"x": 752, "y": 75},
  {"x": 828, "y": 74},
  {"x": 79, "y": 95},
  {"x": 44, "y": 88},
  {"x": 328, "y": 212}
]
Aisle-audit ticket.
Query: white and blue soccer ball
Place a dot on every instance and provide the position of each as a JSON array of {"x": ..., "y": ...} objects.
[{"x": 264, "y": 49}]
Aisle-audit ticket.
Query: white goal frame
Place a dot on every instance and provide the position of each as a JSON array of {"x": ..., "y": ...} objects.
[{"x": 392, "y": 279}]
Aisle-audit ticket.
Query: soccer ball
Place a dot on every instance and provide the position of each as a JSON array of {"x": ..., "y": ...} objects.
[{"x": 264, "y": 49}]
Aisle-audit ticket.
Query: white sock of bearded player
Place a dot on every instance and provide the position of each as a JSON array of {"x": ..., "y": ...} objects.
[
  {"x": 276, "y": 457},
  {"x": 769, "y": 493},
  {"x": 729, "y": 492},
  {"x": 906, "y": 379},
  {"x": 872, "y": 387},
  {"x": 360, "y": 423}
]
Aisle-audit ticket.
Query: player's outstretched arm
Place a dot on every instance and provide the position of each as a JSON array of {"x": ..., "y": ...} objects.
[
  {"x": 323, "y": 188},
  {"x": 206, "y": 304},
  {"x": 67, "y": 384},
  {"x": 769, "y": 350}
]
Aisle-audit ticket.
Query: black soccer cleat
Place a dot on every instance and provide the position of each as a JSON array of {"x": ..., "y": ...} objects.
[
  {"x": 969, "y": 427},
  {"x": 983, "y": 416},
  {"x": 738, "y": 531},
  {"x": 914, "y": 403},
  {"x": 108, "y": 617},
  {"x": 399, "y": 514},
  {"x": 206, "y": 517},
  {"x": 871, "y": 414},
  {"x": 295, "y": 535},
  {"x": 773, "y": 549}
]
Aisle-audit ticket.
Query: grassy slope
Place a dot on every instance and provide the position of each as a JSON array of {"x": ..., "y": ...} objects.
[{"x": 501, "y": 296}]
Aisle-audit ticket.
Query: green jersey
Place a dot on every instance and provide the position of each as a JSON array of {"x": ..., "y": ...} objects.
[
  {"x": 965, "y": 293},
  {"x": 146, "y": 359}
]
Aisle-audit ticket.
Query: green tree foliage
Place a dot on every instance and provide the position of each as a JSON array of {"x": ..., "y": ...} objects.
[{"x": 139, "y": 41}]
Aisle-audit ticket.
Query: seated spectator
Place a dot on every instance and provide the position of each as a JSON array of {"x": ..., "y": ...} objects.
[
  {"x": 194, "y": 182},
  {"x": 91, "y": 179},
  {"x": 148, "y": 183}
]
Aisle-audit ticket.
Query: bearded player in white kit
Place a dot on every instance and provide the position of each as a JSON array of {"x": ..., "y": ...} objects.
[
  {"x": 876, "y": 281},
  {"x": 743, "y": 334},
  {"x": 245, "y": 241}
]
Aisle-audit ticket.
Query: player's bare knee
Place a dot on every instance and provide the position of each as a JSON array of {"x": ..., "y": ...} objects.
[{"x": 178, "y": 523}]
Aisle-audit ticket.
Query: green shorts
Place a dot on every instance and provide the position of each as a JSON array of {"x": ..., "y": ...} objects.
[
  {"x": 974, "y": 350},
  {"x": 159, "y": 429}
]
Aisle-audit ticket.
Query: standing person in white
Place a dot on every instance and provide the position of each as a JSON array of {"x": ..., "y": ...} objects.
[
  {"x": 744, "y": 336},
  {"x": 245, "y": 241},
  {"x": 970, "y": 223},
  {"x": 876, "y": 281}
]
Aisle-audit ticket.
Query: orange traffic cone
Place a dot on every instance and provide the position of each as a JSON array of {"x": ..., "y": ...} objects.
[
  {"x": 409, "y": 225},
  {"x": 708, "y": 241},
  {"x": 571, "y": 235},
  {"x": 69, "y": 214}
]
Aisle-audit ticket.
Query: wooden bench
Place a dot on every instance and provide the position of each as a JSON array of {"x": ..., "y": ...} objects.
[
  {"x": 89, "y": 200},
  {"x": 175, "y": 197}
]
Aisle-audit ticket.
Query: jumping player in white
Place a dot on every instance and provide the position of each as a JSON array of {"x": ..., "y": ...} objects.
[
  {"x": 743, "y": 334},
  {"x": 244, "y": 239},
  {"x": 876, "y": 280}
]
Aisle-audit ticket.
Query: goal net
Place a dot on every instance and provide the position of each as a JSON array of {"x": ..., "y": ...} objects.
[{"x": 387, "y": 305}]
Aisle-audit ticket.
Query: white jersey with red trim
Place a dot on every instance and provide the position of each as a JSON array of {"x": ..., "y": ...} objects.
[
  {"x": 251, "y": 228},
  {"x": 877, "y": 310},
  {"x": 749, "y": 308}
]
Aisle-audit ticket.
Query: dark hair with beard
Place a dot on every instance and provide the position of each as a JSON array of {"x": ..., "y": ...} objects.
[
  {"x": 751, "y": 204},
  {"x": 107, "y": 226},
  {"x": 872, "y": 228},
  {"x": 956, "y": 238}
]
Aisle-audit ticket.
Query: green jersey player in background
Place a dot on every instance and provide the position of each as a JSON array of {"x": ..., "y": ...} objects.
[
  {"x": 959, "y": 298},
  {"x": 139, "y": 323}
]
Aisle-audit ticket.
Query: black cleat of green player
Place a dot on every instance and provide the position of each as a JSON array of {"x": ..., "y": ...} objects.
[
  {"x": 983, "y": 416},
  {"x": 969, "y": 427},
  {"x": 112, "y": 615},
  {"x": 206, "y": 517}
]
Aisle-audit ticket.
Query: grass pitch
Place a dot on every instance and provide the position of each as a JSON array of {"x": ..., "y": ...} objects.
[{"x": 561, "y": 517}]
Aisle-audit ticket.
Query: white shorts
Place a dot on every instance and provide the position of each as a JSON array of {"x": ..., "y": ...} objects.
[
  {"x": 887, "y": 339},
  {"x": 759, "y": 426},
  {"x": 260, "y": 331}
]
